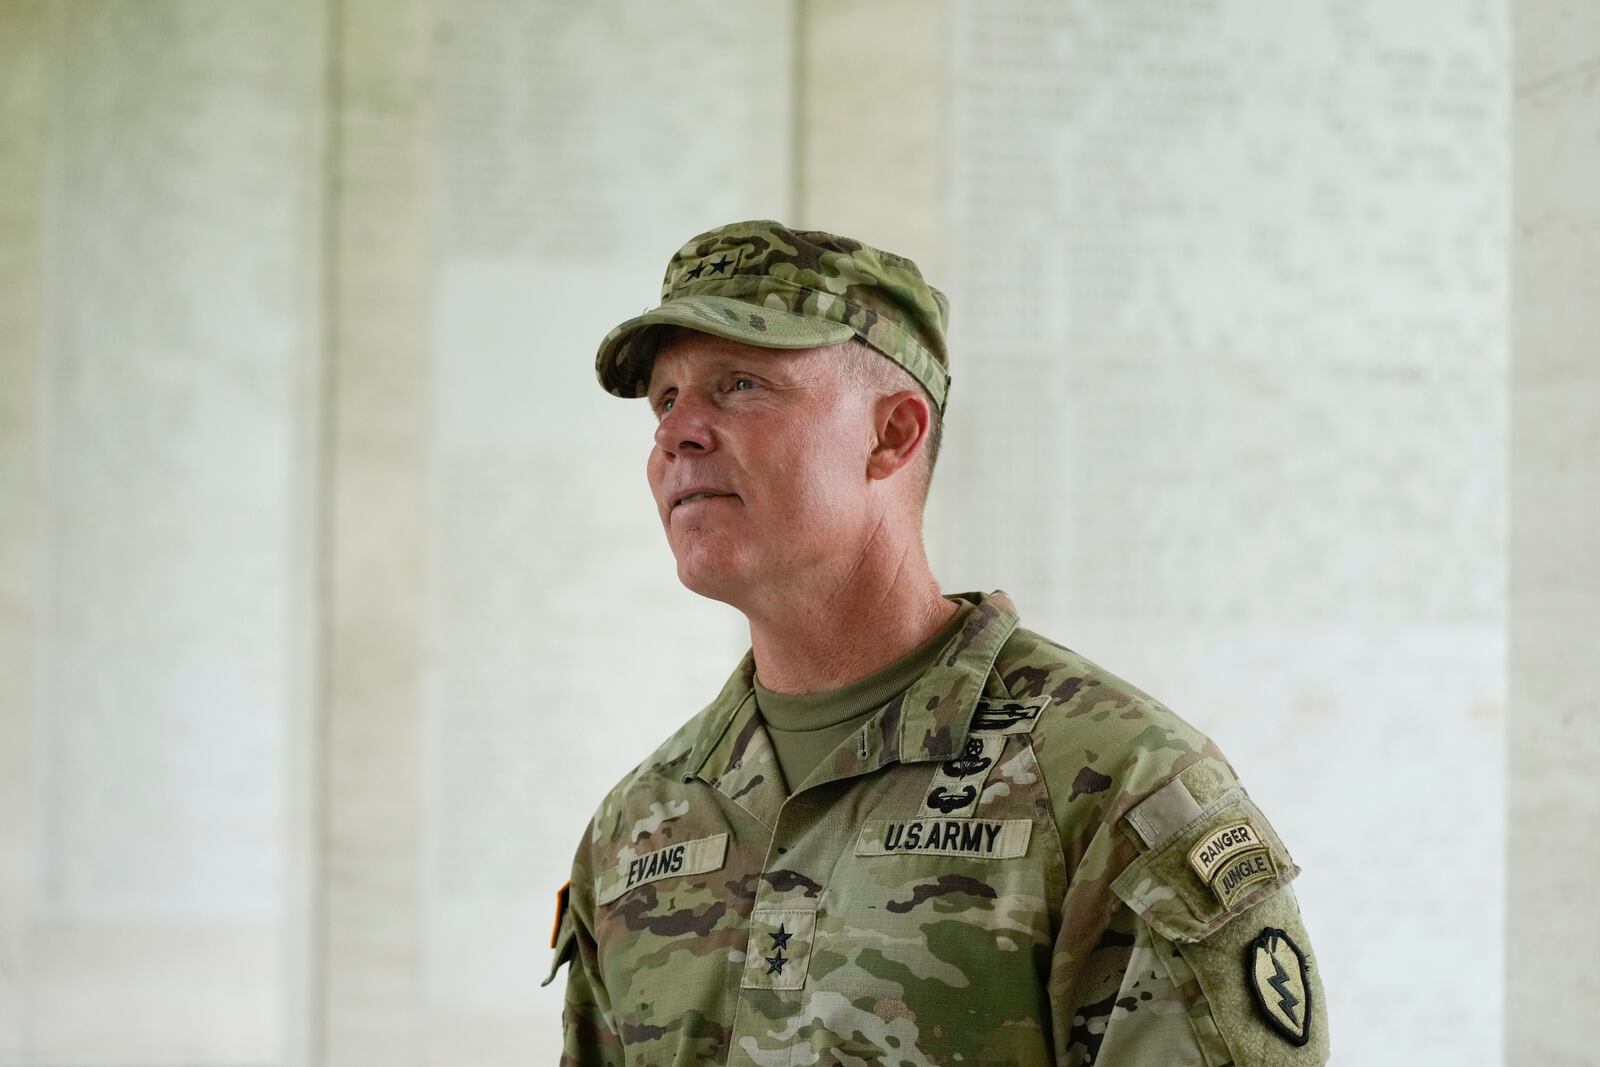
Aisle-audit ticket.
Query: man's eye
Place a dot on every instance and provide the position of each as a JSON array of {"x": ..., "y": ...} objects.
[{"x": 665, "y": 404}]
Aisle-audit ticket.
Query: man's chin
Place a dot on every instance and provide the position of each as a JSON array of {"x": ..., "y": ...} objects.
[{"x": 713, "y": 579}]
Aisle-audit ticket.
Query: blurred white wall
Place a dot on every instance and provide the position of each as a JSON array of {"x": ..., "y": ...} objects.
[
  {"x": 162, "y": 254},
  {"x": 333, "y": 597},
  {"x": 1553, "y": 854}
]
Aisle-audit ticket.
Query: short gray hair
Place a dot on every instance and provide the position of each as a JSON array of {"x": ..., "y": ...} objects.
[{"x": 864, "y": 367}]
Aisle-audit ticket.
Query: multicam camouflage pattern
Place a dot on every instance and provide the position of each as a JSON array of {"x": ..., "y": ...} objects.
[
  {"x": 764, "y": 284},
  {"x": 816, "y": 942}
]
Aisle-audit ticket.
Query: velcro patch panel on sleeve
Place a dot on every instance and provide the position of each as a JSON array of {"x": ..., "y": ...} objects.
[
  {"x": 1164, "y": 813},
  {"x": 995, "y": 839},
  {"x": 1192, "y": 884},
  {"x": 686, "y": 857}
]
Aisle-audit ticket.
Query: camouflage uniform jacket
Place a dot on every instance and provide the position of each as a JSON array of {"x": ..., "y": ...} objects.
[{"x": 1021, "y": 859}]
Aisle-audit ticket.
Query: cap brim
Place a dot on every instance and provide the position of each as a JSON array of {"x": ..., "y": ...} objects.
[{"x": 627, "y": 353}]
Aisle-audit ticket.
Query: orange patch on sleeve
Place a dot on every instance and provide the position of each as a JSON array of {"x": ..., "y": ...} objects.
[{"x": 562, "y": 895}]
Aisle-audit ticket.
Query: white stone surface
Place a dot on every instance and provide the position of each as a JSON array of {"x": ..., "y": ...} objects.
[
  {"x": 378, "y": 560},
  {"x": 874, "y": 127},
  {"x": 173, "y": 221},
  {"x": 1553, "y": 861},
  {"x": 24, "y": 31}
]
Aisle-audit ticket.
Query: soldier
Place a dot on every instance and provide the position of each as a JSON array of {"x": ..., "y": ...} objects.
[{"x": 908, "y": 829}]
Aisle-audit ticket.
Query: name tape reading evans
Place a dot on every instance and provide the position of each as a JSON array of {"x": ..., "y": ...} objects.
[{"x": 686, "y": 857}]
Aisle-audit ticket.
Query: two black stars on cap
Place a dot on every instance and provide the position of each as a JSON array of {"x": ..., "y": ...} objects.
[{"x": 716, "y": 268}]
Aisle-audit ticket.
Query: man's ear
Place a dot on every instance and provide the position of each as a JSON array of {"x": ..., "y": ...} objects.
[{"x": 900, "y": 422}]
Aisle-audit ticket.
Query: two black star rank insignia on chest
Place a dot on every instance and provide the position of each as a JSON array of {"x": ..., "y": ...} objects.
[
  {"x": 776, "y": 961},
  {"x": 778, "y": 952}
]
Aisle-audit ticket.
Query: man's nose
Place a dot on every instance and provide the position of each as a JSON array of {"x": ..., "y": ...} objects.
[{"x": 686, "y": 427}]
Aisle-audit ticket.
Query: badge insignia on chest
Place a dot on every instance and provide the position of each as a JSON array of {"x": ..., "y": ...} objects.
[
  {"x": 970, "y": 762},
  {"x": 1007, "y": 716},
  {"x": 957, "y": 783},
  {"x": 942, "y": 800}
]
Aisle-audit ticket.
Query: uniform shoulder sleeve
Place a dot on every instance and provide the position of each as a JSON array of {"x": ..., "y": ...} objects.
[
  {"x": 589, "y": 1034},
  {"x": 589, "y": 1028},
  {"x": 1180, "y": 939},
  {"x": 1210, "y": 897}
]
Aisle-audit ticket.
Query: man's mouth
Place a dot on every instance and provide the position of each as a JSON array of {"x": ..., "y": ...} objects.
[{"x": 692, "y": 497}]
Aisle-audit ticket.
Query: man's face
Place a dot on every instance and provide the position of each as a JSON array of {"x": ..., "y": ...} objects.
[{"x": 782, "y": 441}]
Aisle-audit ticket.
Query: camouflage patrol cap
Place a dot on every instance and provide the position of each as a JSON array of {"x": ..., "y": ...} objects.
[{"x": 763, "y": 284}]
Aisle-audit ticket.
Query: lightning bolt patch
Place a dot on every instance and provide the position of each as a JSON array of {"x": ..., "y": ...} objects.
[
  {"x": 1280, "y": 982},
  {"x": 1275, "y": 970}
]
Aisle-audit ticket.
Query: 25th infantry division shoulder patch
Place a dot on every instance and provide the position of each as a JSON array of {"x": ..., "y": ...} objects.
[{"x": 1275, "y": 970}]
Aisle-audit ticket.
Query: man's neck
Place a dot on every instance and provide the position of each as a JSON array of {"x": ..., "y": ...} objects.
[{"x": 818, "y": 639}]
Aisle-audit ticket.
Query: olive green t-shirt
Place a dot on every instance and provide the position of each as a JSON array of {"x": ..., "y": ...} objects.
[{"x": 806, "y": 727}]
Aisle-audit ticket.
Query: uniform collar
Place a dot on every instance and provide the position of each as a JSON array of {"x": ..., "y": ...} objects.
[{"x": 929, "y": 721}]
